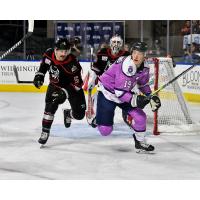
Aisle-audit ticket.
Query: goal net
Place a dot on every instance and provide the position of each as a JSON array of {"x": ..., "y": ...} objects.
[{"x": 174, "y": 115}]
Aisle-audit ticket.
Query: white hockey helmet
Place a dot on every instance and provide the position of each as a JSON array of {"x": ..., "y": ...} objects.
[{"x": 116, "y": 44}]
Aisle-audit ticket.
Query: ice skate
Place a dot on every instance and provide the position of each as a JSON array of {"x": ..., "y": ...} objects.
[
  {"x": 67, "y": 117},
  {"x": 43, "y": 138},
  {"x": 142, "y": 146},
  {"x": 94, "y": 123}
]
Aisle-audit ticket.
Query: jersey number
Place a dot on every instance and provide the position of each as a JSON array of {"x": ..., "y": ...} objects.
[{"x": 128, "y": 84}]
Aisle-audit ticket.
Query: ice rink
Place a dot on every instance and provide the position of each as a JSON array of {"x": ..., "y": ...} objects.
[{"x": 81, "y": 153}]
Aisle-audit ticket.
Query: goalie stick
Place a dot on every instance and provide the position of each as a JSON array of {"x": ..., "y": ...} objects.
[{"x": 90, "y": 111}]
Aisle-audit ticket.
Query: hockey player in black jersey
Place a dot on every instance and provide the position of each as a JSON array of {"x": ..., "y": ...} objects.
[
  {"x": 65, "y": 83},
  {"x": 105, "y": 58}
]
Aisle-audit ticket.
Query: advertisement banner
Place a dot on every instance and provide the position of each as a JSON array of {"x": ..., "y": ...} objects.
[
  {"x": 189, "y": 82},
  {"x": 25, "y": 69}
]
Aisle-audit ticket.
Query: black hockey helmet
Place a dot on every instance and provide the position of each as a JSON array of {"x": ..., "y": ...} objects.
[
  {"x": 63, "y": 44},
  {"x": 139, "y": 46}
]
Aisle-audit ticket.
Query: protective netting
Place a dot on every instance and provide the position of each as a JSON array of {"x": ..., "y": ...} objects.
[{"x": 174, "y": 114}]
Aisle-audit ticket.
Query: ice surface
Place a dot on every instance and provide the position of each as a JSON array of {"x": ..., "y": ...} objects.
[{"x": 80, "y": 152}]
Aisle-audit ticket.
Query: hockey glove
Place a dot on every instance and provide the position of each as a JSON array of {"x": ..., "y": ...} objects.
[
  {"x": 59, "y": 96},
  {"x": 139, "y": 101},
  {"x": 38, "y": 80},
  {"x": 155, "y": 103}
]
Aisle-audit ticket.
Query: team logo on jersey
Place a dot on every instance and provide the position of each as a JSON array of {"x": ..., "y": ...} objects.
[
  {"x": 104, "y": 58},
  {"x": 74, "y": 68},
  {"x": 47, "y": 61},
  {"x": 54, "y": 72},
  {"x": 130, "y": 69},
  {"x": 119, "y": 60}
]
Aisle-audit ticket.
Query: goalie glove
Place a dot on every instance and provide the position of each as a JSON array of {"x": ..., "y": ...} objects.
[
  {"x": 38, "y": 80},
  {"x": 139, "y": 101},
  {"x": 155, "y": 103}
]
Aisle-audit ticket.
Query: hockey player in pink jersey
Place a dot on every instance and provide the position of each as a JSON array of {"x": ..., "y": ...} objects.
[{"x": 117, "y": 87}]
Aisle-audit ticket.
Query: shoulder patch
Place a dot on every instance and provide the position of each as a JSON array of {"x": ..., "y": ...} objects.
[
  {"x": 119, "y": 60},
  {"x": 128, "y": 67},
  {"x": 47, "y": 61}
]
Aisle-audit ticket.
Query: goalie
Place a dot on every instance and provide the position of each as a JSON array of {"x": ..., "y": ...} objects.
[
  {"x": 118, "y": 86},
  {"x": 105, "y": 58},
  {"x": 65, "y": 83}
]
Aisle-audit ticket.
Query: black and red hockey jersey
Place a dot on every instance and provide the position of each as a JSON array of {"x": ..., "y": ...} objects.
[
  {"x": 62, "y": 73},
  {"x": 105, "y": 58}
]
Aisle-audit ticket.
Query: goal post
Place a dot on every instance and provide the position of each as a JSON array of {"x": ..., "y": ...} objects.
[{"x": 174, "y": 114}]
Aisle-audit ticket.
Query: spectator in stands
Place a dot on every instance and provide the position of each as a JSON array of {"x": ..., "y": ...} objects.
[
  {"x": 186, "y": 28},
  {"x": 192, "y": 53},
  {"x": 195, "y": 26},
  {"x": 198, "y": 30},
  {"x": 157, "y": 50}
]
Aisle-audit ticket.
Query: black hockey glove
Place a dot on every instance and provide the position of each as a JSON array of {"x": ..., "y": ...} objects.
[
  {"x": 59, "y": 96},
  {"x": 38, "y": 80},
  {"x": 155, "y": 103},
  {"x": 139, "y": 101}
]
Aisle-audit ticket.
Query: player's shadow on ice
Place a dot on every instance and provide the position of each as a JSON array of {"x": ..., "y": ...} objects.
[{"x": 122, "y": 149}]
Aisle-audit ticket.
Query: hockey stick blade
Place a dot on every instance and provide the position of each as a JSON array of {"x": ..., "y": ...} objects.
[{"x": 17, "y": 76}]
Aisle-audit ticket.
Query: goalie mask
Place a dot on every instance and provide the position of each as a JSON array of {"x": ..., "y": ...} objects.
[{"x": 116, "y": 44}]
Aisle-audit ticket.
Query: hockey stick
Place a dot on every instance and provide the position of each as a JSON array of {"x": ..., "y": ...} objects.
[
  {"x": 30, "y": 31},
  {"x": 174, "y": 79},
  {"x": 17, "y": 76},
  {"x": 90, "y": 111}
]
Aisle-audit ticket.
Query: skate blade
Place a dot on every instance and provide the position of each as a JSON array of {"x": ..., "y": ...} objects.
[{"x": 141, "y": 151}]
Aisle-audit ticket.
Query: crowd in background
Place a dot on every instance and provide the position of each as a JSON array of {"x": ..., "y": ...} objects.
[
  {"x": 186, "y": 30},
  {"x": 192, "y": 51}
]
